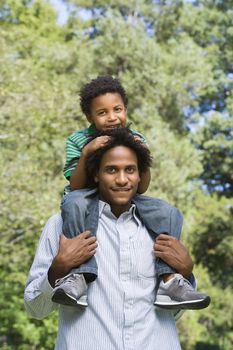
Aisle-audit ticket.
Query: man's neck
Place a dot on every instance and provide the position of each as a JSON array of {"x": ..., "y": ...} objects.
[{"x": 117, "y": 210}]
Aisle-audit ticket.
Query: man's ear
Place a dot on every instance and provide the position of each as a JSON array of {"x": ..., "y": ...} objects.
[{"x": 96, "y": 178}]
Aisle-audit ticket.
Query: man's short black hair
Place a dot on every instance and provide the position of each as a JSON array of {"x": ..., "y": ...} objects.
[
  {"x": 100, "y": 86},
  {"x": 122, "y": 136}
]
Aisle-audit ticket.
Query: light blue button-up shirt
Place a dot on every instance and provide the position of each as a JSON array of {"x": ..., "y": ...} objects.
[{"x": 121, "y": 314}]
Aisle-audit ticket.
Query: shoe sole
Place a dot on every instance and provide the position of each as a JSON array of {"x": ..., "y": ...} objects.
[
  {"x": 184, "y": 305},
  {"x": 60, "y": 297}
]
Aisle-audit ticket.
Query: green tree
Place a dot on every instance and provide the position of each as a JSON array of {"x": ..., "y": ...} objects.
[
  {"x": 215, "y": 141},
  {"x": 167, "y": 55}
]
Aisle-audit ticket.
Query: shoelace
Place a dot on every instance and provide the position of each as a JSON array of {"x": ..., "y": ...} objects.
[
  {"x": 67, "y": 279},
  {"x": 183, "y": 282}
]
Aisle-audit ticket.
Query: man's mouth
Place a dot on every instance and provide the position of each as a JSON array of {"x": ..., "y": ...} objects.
[{"x": 121, "y": 189}]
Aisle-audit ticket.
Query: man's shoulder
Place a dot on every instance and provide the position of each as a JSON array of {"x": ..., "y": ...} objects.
[{"x": 54, "y": 220}]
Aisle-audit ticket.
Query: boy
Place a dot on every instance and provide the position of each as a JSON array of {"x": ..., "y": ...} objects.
[{"x": 104, "y": 102}]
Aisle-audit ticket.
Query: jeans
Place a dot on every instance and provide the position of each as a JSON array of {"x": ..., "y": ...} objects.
[{"x": 80, "y": 212}]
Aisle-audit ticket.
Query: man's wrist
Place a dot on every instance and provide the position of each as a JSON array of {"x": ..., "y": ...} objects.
[
  {"x": 187, "y": 269},
  {"x": 58, "y": 269}
]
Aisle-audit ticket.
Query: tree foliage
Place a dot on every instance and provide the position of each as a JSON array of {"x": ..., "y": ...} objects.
[{"x": 175, "y": 60}]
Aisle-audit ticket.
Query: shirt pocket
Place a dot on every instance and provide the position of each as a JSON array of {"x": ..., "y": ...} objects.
[{"x": 144, "y": 260}]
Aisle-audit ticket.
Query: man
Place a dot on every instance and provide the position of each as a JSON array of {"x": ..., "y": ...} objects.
[{"x": 121, "y": 314}]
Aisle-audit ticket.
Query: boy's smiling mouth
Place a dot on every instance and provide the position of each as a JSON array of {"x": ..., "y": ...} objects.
[{"x": 110, "y": 127}]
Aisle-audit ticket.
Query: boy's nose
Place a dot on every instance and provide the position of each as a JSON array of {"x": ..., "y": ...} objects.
[{"x": 111, "y": 116}]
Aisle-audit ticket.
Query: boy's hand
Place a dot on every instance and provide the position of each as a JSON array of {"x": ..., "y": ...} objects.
[
  {"x": 139, "y": 139},
  {"x": 95, "y": 144}
]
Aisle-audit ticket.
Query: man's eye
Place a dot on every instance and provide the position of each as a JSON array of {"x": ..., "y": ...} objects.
[
  {"x": 130, "y": 170},
  {"x": 110, "y": 170}
]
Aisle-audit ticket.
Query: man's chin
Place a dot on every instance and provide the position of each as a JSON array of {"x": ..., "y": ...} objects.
[{"x": 123, "y": 199}]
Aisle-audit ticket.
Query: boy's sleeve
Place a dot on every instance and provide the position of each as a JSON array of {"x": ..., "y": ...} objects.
[{"x": 73, "y": 153}]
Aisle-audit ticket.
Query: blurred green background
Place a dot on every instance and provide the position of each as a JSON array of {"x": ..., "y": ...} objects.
[{"x": 175, "y": 59}]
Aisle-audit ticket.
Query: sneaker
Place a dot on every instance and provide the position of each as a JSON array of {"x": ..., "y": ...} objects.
[
  {"x": 71, "y": 290},
  {"x": 178, "y": 293}
]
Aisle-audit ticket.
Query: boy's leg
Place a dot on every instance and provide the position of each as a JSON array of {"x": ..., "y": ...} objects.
[
  {"x": 174, "y": 292},
  {"x": 79, "y": 213},
  {"x": 159, "y": 217}
]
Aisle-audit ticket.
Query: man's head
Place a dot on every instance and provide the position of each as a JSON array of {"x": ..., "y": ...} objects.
[
  {"x": 116, "y": 168},
  {"x": 104, "y": 102}
]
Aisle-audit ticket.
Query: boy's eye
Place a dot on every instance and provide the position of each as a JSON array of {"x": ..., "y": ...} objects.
[
  {"x": 101, "y": 113},
  {"x": 118, "y": 109}
]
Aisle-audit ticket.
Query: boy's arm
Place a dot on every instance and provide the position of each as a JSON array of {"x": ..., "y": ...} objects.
[
  {"x": 145, "y": 176},
  {"x": 78, "y": 179}
]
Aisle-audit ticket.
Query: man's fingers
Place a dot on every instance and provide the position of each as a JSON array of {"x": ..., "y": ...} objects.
[
  {"x": 85, "y": 234},
  {"x": 159, "y": 254},
  {"x": 159, "y": 248},
  {"x": 166, "y": 240},
  {"x": 163, "y": 237},
  {"x": 93, "y": 246},
  {"x": 92, "y": 251}
]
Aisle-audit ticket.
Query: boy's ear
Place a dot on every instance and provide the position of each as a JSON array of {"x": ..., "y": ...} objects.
[{"x": 89, "y": 118}]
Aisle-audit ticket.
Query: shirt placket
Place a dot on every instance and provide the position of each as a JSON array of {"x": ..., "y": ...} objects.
[{"x": 125, "y": 227}]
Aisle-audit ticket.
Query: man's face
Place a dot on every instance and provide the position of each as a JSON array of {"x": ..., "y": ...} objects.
[
  {"x": 108, "y": 111},
  {"x": 118, "y": 178}
]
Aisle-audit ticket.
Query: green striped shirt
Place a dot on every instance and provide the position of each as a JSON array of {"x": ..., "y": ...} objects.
[{"x": 74, "y": 145}]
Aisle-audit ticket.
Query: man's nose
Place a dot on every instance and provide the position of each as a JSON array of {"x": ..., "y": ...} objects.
[{"x": 121, "y": 178}]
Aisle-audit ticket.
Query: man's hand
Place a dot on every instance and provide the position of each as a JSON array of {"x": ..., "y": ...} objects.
[
  {"x": 72, "y": 253},
  {"x": 174, "y": 253}
]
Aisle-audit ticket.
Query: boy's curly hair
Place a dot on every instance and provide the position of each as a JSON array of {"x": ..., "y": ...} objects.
[
  {"x": 100, "y": 86},
  {"x": 122, "y": 136}
]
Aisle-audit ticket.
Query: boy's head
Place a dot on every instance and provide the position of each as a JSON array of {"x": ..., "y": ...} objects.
[{"x": 104, "y": 102}]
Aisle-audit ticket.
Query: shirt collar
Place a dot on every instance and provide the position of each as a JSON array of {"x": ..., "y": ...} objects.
[
  {"x": 92, "y": 129},
  {"x": 104, "y": 207}
]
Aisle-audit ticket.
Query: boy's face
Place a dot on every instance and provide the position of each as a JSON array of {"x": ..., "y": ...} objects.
[
  {"x": 108, "y": 111},
  {"x": 118, "y": 178}
]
